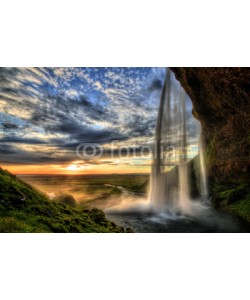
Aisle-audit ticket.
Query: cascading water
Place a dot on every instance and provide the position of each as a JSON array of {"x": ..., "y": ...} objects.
[
  {"x": 173, "y": 149},
  {"x": 178, "y": 185}
]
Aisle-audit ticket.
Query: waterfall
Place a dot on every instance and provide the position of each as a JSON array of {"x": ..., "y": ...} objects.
[
  {"x": 203, "y": 173},
  {"x": 170, "y": 176}
]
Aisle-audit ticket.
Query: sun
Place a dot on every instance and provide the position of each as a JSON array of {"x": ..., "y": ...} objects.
[
  {"x": 72, "y": 168},
  {"x": 75, "y": 167}
]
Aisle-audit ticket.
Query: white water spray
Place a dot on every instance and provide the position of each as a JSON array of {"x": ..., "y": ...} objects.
[{"x": 170, "y": 176}]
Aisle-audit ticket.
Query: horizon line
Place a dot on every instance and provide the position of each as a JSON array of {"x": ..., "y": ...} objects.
[{"x": 63, "y": 174}]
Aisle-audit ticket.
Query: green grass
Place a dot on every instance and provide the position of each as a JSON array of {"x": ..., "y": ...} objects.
[{"x": 25, "y": 209}]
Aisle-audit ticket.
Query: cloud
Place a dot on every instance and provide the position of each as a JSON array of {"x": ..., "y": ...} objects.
[
  {"x": 18, "y": 140},
  {"x": 67, "y": 106},
  {"x": 6, "y": 150},
  {"x": 157, "y": 84},
  {"x": 9, "y": 126}
]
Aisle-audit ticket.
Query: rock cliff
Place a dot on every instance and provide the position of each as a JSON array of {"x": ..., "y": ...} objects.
[{"x": 221, "y": 102}]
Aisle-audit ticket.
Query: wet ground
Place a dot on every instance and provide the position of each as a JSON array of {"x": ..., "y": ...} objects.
[{"x": 210, "y": 221}]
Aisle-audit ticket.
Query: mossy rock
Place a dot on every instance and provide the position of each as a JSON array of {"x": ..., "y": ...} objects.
[
  {"x": 66, "y": 199},
  {"x": 98, "y": 216},
  {"x": 233, "y": 198}
]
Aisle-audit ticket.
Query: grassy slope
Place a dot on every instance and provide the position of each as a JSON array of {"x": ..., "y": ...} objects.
[{"x": 24, "y": 209}]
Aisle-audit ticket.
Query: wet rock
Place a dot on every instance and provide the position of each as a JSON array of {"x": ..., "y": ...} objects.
[
  {"x": 98, "y": 216},
  {"x": 221, "y": 102}
]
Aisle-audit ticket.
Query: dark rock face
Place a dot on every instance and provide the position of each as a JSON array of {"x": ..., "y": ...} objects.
[{"x": 221, "y": 102}]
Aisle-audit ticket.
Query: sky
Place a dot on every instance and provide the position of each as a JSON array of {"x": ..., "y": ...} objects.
[{"x": 45, "y": 113}]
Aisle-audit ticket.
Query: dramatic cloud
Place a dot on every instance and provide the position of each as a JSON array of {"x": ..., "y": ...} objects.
[{"x": 46, "y": 112}]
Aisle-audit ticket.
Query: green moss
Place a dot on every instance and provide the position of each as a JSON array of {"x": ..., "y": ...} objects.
[
  {"x": 233, "y": 198},
  {"x": 24, "y": 209},
  {"x": 241, "y": 208}
]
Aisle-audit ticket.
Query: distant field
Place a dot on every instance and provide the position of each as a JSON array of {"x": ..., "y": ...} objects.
[{"x": 90, "y": 190}]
